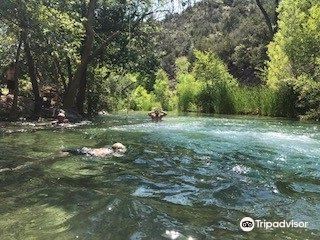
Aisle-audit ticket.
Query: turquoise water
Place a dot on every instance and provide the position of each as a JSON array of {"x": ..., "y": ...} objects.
[{"x": 184, "y": 178}]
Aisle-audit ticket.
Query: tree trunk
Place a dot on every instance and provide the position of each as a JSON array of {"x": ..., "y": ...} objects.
[
  {"x": 70, "y": 97},
  {"x": 276, "y": 16},
  {"x": 14, "y": 108},
  {"x": 266, "y": 17},
  {"x": 59, "y": 73},
  {"x": 69, "y": 70},
  {"x": 32, "y": 75},
  {"x": 81, "y": 96}
]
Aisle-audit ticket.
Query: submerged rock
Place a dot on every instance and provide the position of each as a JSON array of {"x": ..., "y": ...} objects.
[{"x": 26, "y": 222}]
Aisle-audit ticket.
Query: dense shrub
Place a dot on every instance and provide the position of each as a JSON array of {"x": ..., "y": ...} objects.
[
  {"x": 187, "y": 92},
  {"x": 217, "y": 84},
  {"x": 142, "y": 100},
  {"x": 309, "y": 98},
  {"x": 286, "y": 101},
  {"x": 258, "y": 100},
  {"x": 294, "y": 66},
  {"x": 162, "y": 90},
  {"x": 109, "y": 90}
]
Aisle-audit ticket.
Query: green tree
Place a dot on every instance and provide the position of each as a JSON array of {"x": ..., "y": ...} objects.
[
  {"x": 142, "y": 100},
  {"x": 188, "y": 88},
  {"x": 217, "y": 83},
  {"x": 162, "y": 89},
  {"x": 235, "y": 30},
  {"x": 295, "y": 54}
]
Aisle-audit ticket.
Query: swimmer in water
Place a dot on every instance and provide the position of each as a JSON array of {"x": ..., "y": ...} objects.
[
  {"x": 117, "y": 149},
  {"x": 156, "y": 115}
]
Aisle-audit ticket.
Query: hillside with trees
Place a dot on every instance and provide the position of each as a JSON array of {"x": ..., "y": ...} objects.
[{"x": 235, "y": 30}]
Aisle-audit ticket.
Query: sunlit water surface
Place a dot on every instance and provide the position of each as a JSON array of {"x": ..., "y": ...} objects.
[{"x": 184, "y": 178}]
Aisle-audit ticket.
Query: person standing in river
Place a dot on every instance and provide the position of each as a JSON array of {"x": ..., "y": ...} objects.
[{"x": 156, "y": 115}]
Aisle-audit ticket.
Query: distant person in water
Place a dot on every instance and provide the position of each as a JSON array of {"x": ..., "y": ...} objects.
[
  {"x": 117, "y": 149},
  {"x": 61, "y": 118},
  {"x": 156, "y": 115}
]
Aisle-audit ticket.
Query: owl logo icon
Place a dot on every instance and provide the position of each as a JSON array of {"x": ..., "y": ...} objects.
[{"x": 247, "y": 224}]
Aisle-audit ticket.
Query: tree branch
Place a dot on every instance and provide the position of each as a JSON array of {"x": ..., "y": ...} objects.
[
  {"x": 104, "y": 45},
  {"x": 266, "y": 17}
]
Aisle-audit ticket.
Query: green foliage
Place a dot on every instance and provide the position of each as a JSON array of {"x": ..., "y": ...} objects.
[
  {"x": 109, "y": 90},
  {"x": 235, "y": 30},
  {"x": 247, "y": 100},
  {"x": 286, "y": 101},
  {"x": 309, "y": 98},
  {"x": 142, "y": 100},
  {"x": 209, "y": 69},
  {"x": 8, "y": 42},
  {"x": 120, "y": 70},
  {"x": 217, "y": 84},
  {"x": 294, "y": 57},
  {"x": 182, "y": 65},
  {"x": 259, "y": 100},
  {"x": 188, "y": 89},
  {"x": 57, "y": 33},
  {"x": 162, "y": 90},
  {"x": 63, "y": 30},
  {"x": 211, "y": 89}
]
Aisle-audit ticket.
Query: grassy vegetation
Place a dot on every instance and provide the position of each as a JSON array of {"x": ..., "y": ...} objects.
[{"x": 206, "y": 86}]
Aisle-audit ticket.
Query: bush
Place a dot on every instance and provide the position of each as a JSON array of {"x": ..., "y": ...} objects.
[
  {"x": 257, "y": 100},
  {"x": 217, "y": 85},
  {"x": 162, "y": 90},
  {"x": 142, "y": 100},
  {"x": 293, "y": 69},
  {"x": 309, "y": 98},
  {"x": 182, "y": 65},
  {"x": 187, "y": 92},
  {"x": 268, "y": 101},
  {"x": 108, "y": 90},
  {"x": 208, "y": 68},
  {"x": 247, "y": 100},
  {"x": 286, "y": 101}
]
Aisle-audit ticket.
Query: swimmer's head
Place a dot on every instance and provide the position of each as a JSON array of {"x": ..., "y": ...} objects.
[
  {"x": 61, "y": 116},
  {"x": 157, "y": 110},
  {"x": 119, "y": 148}
]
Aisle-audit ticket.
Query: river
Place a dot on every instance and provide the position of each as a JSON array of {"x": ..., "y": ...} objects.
[{"x": 188, "y": 177}]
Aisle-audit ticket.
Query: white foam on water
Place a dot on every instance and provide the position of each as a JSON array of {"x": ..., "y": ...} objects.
[
  {"x": 143, "y": 192},
  {"x": 287, "y": 137},
  {"x": 163, "y": 126},
  {"x": 209, "y": 135},
  {"x": 281, "y": 158},
  {"x": 240, "y": 169},
  {"x": 172, "y": 234}
]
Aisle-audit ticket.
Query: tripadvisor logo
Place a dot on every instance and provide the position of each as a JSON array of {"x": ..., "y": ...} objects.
[{"x": 247, "y": 224}]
